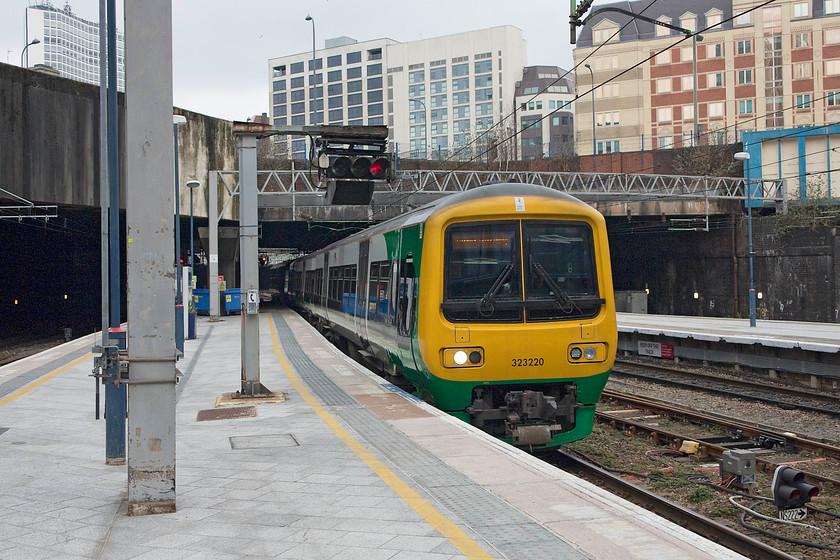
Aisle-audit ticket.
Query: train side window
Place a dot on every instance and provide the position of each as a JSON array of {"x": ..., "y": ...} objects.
[{"x": 378, "y": 291}]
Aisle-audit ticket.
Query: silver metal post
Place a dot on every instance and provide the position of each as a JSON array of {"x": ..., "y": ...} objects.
[
  {"x": 248, "y": 266},
  {"x": 312, "y": 107},
  {"x": 213, "y": 257},
  {"x": 592, "y": 76},
  {"x": 149, "y": 180},
  {"x": 745, "y": 157},
  {"x": 696, "y": 138},
  {"x": 104, "y": 191}
]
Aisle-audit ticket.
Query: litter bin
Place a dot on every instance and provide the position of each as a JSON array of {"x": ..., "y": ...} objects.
[
  {"x": 202, "y": 301},
  {"x": 233, "y": 300}
]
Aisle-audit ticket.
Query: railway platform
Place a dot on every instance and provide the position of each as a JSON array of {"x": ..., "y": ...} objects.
[
  {"x": 348, "y": 466},
  {"x": 782, "y": 348}
]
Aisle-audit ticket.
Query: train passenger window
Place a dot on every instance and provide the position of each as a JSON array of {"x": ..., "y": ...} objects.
[
  {"x": 378, "y": 291},
  {"x": 482, "y": 278},
  {"x": 560, "y": 276}
]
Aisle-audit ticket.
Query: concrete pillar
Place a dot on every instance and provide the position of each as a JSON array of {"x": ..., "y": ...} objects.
[
  {"x": 150, "y": 187},
  {"x": 213, "y": 253}
]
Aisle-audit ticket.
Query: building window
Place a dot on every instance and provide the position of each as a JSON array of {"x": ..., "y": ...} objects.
[
  {"x": 801, "y": 9},
  {"x": 661, "y": 30},
  {"x": 461, "y": 112},
  {"x": 603, "y": 34},
  {"x": 374, "y": 96},
  {"x": 335, "y": 89},
  {"x": 664, "y": 114},
  {"x": 374, "y": 54},
  {"x": 334, "y": 76},
  {"x": 354, "y": 112},
  {"x": 437, "y": 87},
  {"x": 417, "y": 117},
  {"x": 802, "y": 40},
  {"x": 483, "y": 66},
  {"x": 663, "y": 85},
  {"x": 280, "y": 85},
  {"x": 803, "y": 101},
  {"x": 663, "y": 58},
  {"x": 610, "y": 62},
  {"x": 460, "y": 84},
  {"x": 375, "y": 109},
  {"x": 439, "y": 142},
  {"x": 831, "y": 7},
  {"x": 484, "y": 94},
  {"x": 743, "y": 19},
  {"x": 745, "y": 106},
  {"x": 555, "y": 121},
  {"x": 745, "y": 76},
  {"x": 833, "y": 99},
  {"x": 298, "y": 108},
  {"x": 714, "y": 51},
  {"x": 335, "y": 102},
  {"x": 715, "y": 109},
  {"x": 665, "y": 142},
  {"x": 461, "y": 126},
  {"x": 297, "y": 67},
  {"x": 374, "y": 83},
  {"x": 298, "y": 95},
  {"x": 483, "y": 81},
  {"x": 464, "y": 69},
  {"x": 832, "y": 36},
  {"x": 715, "y": 80},
  {"x": 688, "y": 112},
  {"x": 460, "y": 98},
  {"x": 319, "y": 64},
  {"x": 297, "y": 82},
  {"x": 440, "y": 128},
  {"x": 332, "y": 62},
  {"x": 686, "y": 54},
  {"x": 416, "y": 77},
  {"x": 714, "y": 17},
  {"x": 417, "y": 131},
  {"x": 689, "y": 21},
  {"x": 336, "y": 115},
  {"x": 354, "y": 57},
  {"x": 744, "y": 46},
  {"x": 354, "y": 99},
  {"x": 438, "y": 73},
  {"x": 832, "y": 67},
  {"x": 374, "y": 69},
  {"x": 437, "y": 101},
  {"x": 438, "y": 114},
  {"x": 353, "y": 73},
  {"x": 801, "y": 70},
  {"x": 687, "y": 83},
  {"x": 483, "y": 109},
  {"x": 483, "y": 123},
  {"x": 279, "y": 71}
]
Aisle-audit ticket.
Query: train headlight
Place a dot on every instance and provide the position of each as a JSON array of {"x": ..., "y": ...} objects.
[
  {"x": 462, "y": 357},
  {"x": 580, "y": 354}
]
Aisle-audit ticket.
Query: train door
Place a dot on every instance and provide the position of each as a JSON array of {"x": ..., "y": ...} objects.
[
  {"x": 405, "y": 296},
  {"x": 360, "y": 313}
]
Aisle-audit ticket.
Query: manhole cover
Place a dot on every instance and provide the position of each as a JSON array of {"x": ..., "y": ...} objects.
[
  {"x": 227, "y": 413},
  {"x": 263, "y": 442}
]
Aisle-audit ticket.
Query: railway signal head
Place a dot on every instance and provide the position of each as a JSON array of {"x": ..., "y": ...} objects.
[
  {"x": 790, "y": 489},
  {"x": 369, "y": 168}
]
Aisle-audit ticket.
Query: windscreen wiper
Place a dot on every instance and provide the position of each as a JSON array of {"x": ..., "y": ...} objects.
[
  {"x": 560, "y": 296},
  {"x": 489, "y": 298}
]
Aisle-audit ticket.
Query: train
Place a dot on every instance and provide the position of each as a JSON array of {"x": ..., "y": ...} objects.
[{"x": 495, "y": 303}]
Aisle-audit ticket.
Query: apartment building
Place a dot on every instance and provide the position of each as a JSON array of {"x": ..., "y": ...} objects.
[
  {"x": 772, "y": 67},
  {"x": 69, "y": 44},
  {"x": 545, "y": 116},
  {"x": 443, "y": 97}
]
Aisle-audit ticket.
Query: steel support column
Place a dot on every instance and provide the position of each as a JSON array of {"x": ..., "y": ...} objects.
[
  {"x": 151, "y": 277},
  {"x": 248, "y": 267},
  {"x": 213, "y": 257}
]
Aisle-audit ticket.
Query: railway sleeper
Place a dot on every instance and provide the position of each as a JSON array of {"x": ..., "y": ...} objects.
[{"x": 527, "y": 416}]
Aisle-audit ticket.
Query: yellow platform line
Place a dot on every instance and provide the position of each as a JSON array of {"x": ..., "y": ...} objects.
[
  {"x": 44, "y": 379},
  {"x": 433, "y": 517}
]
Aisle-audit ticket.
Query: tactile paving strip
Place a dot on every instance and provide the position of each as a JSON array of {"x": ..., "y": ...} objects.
[
  {"x": 507, "y": 530},
  {"x": 24, "y": 379}
]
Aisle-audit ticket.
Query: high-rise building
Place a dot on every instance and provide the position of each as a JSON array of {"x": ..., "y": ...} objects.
[
  {"x": 444, "y": 97},
  {"x": 545, "y": 101},
  {"x": 69, "y": 44},
  {"x": 774, "y": 67}
]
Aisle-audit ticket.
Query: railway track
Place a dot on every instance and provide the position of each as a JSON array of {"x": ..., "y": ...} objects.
[
  {"x": 761, "y": 436},
  {"x": 721, "y": 534},
  {"x": 783, "y": 396}
]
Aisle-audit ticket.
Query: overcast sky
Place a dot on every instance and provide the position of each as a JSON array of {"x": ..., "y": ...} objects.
[{"x": 221, "y": 47}]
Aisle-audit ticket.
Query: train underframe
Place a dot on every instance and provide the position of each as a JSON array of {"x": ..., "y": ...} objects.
[{"x": 525, "y": 414}]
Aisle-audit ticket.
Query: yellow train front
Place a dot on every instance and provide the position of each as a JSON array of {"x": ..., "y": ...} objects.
[
  {"x": 516, "y": 327},
  {"x": 496, "y": 303}
]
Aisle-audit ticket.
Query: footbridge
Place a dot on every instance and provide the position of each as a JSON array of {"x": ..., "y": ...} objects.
[{"x": 297, "y": 195}]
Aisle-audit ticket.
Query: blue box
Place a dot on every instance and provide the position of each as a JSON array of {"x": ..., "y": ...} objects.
[
  {"x": 201, "y": 298},
  {"x": 233, "y": 300}
]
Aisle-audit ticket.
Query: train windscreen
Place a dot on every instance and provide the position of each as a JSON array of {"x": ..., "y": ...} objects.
[{"x": 485, "y": 264}]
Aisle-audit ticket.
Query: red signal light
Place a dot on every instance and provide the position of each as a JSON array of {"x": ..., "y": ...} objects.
[{"x": 379, "y": 168}]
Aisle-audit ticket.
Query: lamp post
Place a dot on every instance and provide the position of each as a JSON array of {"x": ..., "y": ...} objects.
[
  {"x": 592, "y": 77},
  {"x": 178, "y": 120},
  {"x": 745, "y": 157},
  {"x": 425, "y": 125},
  {"x": 312, "y": 101},
  {"x": 32, "y": 42},
  {"x": 191, "y": 319}
]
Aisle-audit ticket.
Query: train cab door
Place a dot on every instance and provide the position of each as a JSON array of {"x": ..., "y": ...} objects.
[
  {"x": 405, "y": 300},
  {"x": 361, "y": 311}
]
